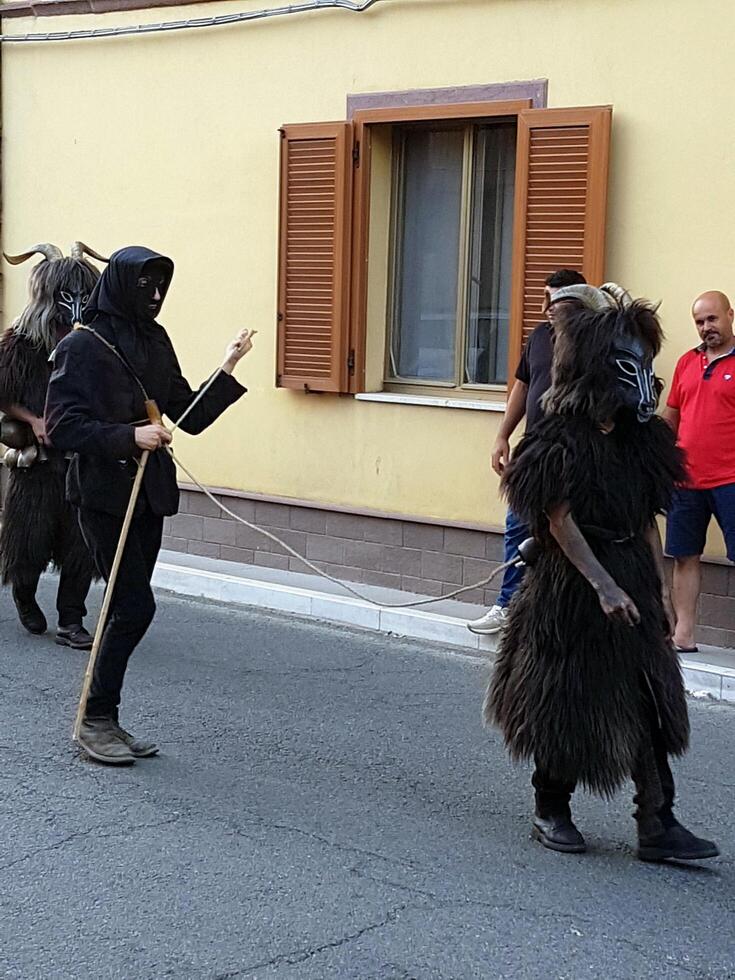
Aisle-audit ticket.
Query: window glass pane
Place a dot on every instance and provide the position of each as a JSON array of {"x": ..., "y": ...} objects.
[
  {"x": 486, "y": 355},
  {"x": 427, "y": 256}
]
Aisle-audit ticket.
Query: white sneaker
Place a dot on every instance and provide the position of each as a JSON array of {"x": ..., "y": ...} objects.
[{"x": 492, "y": 622}]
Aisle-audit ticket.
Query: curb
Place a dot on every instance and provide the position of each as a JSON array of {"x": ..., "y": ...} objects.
[{"x": 702, "y": 680}]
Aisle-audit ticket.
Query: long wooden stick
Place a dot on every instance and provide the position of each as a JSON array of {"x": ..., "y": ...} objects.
[{"x": 155, "y": 417}]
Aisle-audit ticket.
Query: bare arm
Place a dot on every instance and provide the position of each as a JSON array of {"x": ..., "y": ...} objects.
[
  {"x": 653, "y": 537},
  {"x": 25, "y": 415},
  {"x": 514, "y": 412},
  {"x": 614, "y": 602},
  {"x": 671, "y": 416}
]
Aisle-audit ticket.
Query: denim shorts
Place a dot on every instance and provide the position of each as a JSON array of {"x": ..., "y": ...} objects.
[{"x": 689, "y": 516}]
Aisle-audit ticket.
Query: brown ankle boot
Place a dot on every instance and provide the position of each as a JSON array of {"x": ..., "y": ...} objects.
[{"x": 101, "y": 741}]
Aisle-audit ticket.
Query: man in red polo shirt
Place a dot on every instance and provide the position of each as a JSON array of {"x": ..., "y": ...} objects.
[{"x": 701, "y": 410}]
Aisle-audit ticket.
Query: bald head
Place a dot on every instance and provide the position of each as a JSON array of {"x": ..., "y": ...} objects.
[
  {"x": 713, "y": 317},
  {"x": 710, "y": 297}
]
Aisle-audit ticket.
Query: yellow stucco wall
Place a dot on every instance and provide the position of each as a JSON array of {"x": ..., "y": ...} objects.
[{"x": 170, "y": 141}]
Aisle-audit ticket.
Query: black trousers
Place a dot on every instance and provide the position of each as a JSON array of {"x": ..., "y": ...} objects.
[
  {"x": 133, "y": 604},
  {"x": 651, "y": 773},
  {"x": 70, "y": 595}
]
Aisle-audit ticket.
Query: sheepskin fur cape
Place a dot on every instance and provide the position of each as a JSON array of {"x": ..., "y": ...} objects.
[
  {"x": 38, "y": 525},
  {"x": 571, "y": 687}
]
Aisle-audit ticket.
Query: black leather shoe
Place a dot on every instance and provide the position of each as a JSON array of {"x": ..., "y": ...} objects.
[
  {"x": 75, "y": 637},
  {"x": 678, "y": 843},
  {"x": 558, "y": 833},
  {"x": 30, "y": 614}
]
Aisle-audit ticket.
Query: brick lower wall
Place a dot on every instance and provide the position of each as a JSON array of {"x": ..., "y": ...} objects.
[{"x": 426, "y": 558}]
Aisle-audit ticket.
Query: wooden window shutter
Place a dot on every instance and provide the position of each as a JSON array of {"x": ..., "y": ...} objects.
[
  {"x": 314, "y": 256},
  {"x": 560, "y": 206}
]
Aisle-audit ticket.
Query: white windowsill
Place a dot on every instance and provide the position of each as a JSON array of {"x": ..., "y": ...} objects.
[{"x": 430, "y": 401}]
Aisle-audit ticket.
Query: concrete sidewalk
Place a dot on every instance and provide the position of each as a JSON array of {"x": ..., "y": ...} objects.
[{"x": 709, "y": 673}]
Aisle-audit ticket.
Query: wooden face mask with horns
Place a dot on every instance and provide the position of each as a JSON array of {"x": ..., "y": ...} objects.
[{"x": 70, "y": 279}]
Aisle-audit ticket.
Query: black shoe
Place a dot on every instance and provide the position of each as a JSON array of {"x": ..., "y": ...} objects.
[
  {"x": 678, "y": 843},
  {"x": 30, "y": 614},
  {"x": 558, "y": 833},
  {"x": 75, "y": 637}
]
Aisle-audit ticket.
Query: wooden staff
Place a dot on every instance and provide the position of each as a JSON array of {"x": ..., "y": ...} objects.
[{"x": 154, "y": 416}]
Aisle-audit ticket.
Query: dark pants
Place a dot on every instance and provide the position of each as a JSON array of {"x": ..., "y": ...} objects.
[
  {"x": 70, "y": 596},
  {"x": 133, "y": 605},
  {"x": 654, "y": 784}
]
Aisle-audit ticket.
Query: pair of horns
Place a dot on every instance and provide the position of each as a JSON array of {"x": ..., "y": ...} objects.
[{"x": 53, "y": 253}]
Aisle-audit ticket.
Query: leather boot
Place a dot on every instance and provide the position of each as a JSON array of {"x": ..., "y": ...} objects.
[
  {"x": 141, "y": 748},
  {"x": 29, "y": 612},
  {"x": 558, "y": 833},
  {"x": 552, "y": 824},
  {"x": 676, "y": 842},
  {"x": 101, "y": 741},
  {"x": 75, "y": 637}
]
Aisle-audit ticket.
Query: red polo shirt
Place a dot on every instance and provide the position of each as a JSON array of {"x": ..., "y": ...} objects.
[{"x": 704, "y": 394}]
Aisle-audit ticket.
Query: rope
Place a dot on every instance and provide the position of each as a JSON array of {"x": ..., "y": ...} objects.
[{"x": 315, "y": 568}]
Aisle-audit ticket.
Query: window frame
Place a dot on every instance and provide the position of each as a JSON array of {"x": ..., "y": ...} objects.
[
  {"x": 466, "y": 113},
  {"x": 458, "y": 386}
]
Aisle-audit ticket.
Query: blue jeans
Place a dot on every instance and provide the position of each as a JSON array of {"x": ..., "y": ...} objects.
[{"x": 515, "y": 532}]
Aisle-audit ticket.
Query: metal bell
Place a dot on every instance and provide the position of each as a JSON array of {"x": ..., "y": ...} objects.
[
  {"x": 10, "y": 459},
  {"x": 27, "y": 457}
]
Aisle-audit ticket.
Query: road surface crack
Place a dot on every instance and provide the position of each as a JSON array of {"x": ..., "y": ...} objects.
[{"x": 293, "y": 957}]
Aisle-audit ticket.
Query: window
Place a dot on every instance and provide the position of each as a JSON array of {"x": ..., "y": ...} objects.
[
  {"x": 488, "y": 198},
  {"x": 452, "y": 248}
]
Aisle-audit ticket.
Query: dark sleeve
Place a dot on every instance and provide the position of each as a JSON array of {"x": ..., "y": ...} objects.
[
  {"x": 538, "y": 479},
  {"x": 523, "y": 371},
  {"x": 69, "y": 416},
  {"x": 223, "y": 392}
]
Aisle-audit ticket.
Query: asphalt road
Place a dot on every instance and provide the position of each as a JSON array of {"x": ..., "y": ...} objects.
[{"x": 327, "y": 805}]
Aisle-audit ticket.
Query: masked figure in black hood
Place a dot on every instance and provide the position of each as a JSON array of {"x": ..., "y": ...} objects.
[
  {"x": 587, "y": 681},
  {"x": 103, "y": 375},
  {"x": 39, "y": 526}
]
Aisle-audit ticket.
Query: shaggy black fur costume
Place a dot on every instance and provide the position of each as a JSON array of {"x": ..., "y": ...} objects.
[
  {"x": 571, "y": 687},
  {"x": 39, "y": 527}
]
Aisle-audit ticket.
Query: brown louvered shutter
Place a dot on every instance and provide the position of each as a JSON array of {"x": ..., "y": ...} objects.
[
  {"x": 560, "y": 206},
  {"x": 314, "y": 249}
]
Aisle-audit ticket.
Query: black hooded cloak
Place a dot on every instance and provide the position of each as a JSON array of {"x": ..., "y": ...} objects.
[
  {"x": 94, "y": 399},
  {"x": 571, "y": 688}
]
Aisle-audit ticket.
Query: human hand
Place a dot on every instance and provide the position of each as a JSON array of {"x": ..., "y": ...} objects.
[
  {"x": 238, "y": 348},
  {"x": 151, "y": 437},
  {"x": 618, "y": 606},
  {"x": 39, "y": 429},
  {"x": 500, "y": 455}
]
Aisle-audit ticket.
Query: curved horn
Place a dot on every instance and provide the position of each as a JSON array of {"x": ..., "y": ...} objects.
[
  {"x": 79, "y": 250},
  {"x": 50, "y": 252}
]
